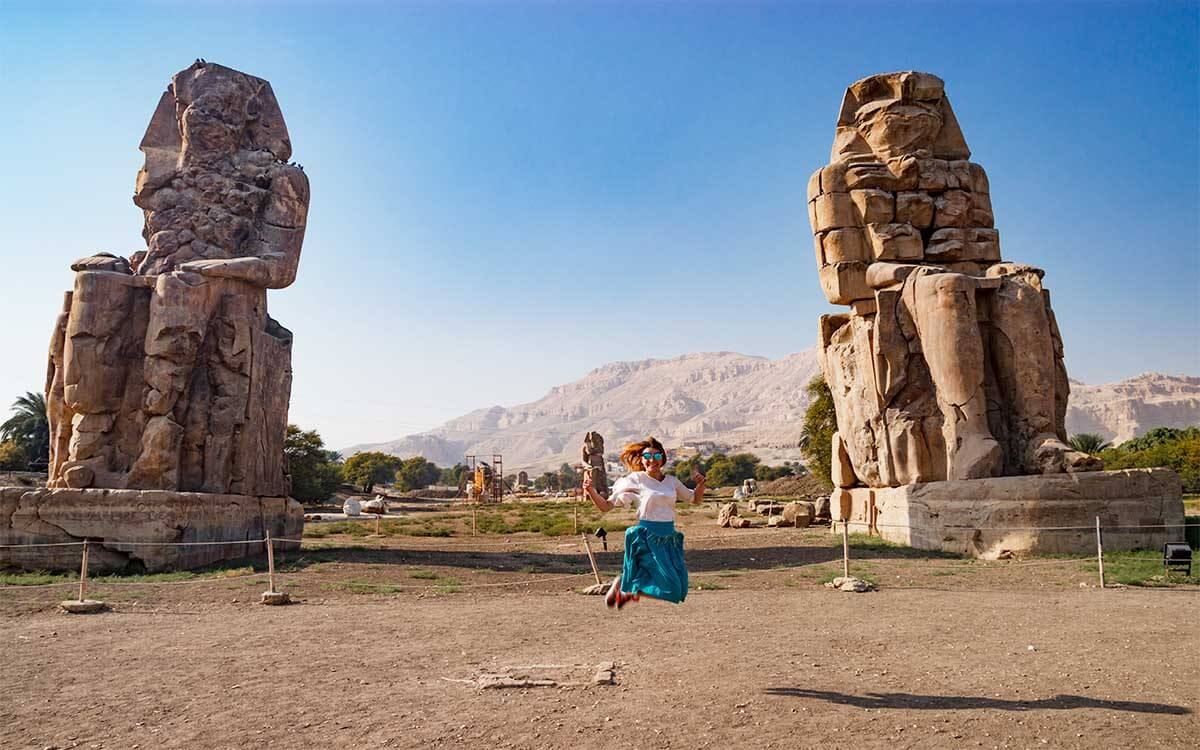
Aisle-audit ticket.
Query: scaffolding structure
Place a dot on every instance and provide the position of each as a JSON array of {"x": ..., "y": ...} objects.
[{"x": 483, "y": 482}]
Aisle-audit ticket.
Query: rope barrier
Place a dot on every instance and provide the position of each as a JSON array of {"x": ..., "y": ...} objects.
[
  {"x": 179, "y": 544},
  {"x": 38, "y": 585},
  {"x": 41, "y": 544},
  {"x": 548, "y": 545},
  {"x": 221, "y": 579},
  {"x": 1035, "y": 528}
]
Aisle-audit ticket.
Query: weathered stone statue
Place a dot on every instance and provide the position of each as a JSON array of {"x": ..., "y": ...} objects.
[
  {"x": 949, "y": 364},
  {"x": 168, "y": 383},
  {"x": 593, "y": 461},
  {"x": 166, "y": 372}
]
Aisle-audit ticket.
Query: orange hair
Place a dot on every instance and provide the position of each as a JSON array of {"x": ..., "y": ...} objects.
[{"x": 632, "y": 455}]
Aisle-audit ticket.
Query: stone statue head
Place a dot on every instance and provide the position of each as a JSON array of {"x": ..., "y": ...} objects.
[
  {"x": 207, "y": 113},
  {"x": 891, "y": 115}
]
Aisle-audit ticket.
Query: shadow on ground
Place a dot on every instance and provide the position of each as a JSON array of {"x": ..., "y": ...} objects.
[
  {"x": 959, "y": 702},
  {"x": 698, "y": 561}
]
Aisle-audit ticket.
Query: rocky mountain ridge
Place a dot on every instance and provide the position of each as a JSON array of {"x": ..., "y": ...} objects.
[{"x": 733, "y": 401}]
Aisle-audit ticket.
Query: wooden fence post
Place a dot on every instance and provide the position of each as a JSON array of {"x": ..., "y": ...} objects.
[
  {"x": 846, "y": 548},
  {"x": 83, "y": 573},
  {"x": 270, "y": 564}
]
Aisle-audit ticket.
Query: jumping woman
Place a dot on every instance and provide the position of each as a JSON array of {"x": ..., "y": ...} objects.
[{"x": 654, "y": 565}]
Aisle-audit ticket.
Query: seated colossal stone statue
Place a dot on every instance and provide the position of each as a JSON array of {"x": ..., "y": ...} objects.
[
  {"x": 949, "y": 364},
  {"x": 166, "y": 372}
]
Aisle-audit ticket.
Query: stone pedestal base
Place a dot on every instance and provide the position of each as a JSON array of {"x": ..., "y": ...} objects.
[
  {"x": 1011, "y": 516},
  {"x": 124, "y": 527}
]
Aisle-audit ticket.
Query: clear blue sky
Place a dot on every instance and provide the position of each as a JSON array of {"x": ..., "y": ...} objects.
[{"x": 506, "y": 195}]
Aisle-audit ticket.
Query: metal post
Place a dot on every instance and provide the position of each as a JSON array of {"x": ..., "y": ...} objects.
[
  {"x": 270, "y": 564},
  {"x": 1100, "y": 551},
  {"x": 846, "y": 548},
  {"x": 83, "y": 571}
]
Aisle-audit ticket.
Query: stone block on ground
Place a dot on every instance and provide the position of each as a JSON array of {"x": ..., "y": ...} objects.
[
  {"x": 799, "y": 513},
  {"x": 1004, "y": 517},
  {"x": 118, "y": 523}
]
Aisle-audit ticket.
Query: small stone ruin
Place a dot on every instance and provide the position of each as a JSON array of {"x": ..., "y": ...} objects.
[{"x": 593, "y": 461}]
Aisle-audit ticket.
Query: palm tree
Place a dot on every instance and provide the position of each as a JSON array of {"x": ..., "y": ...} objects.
[
  {"x": 29, "y": 427},
  {"x": 1088, "y": 442}
]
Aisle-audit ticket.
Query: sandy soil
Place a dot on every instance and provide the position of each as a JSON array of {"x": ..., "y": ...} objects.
[{"x": 388, "y": 637}]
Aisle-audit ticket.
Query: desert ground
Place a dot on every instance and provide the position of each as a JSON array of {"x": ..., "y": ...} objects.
[{"x": 390, "y": 636}]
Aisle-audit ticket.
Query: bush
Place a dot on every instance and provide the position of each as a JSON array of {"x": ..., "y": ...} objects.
[
  {"x": 1163, "y": 446},
  {"x": 12, "y": 456}
]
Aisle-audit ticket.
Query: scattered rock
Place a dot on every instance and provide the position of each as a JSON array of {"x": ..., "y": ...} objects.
[
  {"x": 82, "y": 607},
  {"x": 275, "y": 598},
  {"x": 799, "y": 513},
  {"x": 606, "y": 674},
  {"x": 850, "y": 583}
]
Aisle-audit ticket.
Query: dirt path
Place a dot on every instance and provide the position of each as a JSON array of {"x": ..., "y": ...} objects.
[{"x": 767, "y": 658}]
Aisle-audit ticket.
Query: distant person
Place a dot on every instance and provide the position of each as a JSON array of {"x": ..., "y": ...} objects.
[{"x": 654, "y": 565}]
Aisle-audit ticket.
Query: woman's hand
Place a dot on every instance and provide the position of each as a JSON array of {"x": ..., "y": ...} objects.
[
  {"x": 589, "y": 489},
  {"x": 698, "y": 483}
]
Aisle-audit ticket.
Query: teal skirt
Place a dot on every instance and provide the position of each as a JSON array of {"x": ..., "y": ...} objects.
[{"x": 654, "y": 563}]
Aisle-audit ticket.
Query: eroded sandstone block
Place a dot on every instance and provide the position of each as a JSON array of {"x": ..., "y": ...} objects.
[
  {"x": 131, "y": 530},
  {"x": 1027, "y": 515}
]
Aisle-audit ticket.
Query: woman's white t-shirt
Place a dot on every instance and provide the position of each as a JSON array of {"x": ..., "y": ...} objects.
[{"x": 653, "y": 500}]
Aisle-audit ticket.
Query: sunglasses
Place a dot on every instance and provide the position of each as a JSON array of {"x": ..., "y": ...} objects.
[{"x": 652, "y": 457}]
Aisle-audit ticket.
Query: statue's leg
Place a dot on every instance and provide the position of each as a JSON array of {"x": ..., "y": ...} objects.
[
  {"x": 92, "y": 367},
  {"x": 57, "y": 413},
  {"x": 944, "y": 310},
  {"x": 1023, "y": 348},
  {"x": 179, "y": 313}
]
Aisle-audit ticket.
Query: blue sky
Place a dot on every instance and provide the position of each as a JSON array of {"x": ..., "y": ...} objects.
[{"x": 506, "y": 195}]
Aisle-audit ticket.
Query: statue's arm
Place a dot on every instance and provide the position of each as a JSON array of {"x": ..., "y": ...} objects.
[{"x": 275, "y": 249}]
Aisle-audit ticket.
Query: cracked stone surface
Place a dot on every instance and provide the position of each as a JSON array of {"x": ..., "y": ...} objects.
[
  {"x": 166, "y": 371},
  {"x": 130, "y": 530},
  {"x": 949, "y": 363},
  {"x": 1003, "y": 517}
]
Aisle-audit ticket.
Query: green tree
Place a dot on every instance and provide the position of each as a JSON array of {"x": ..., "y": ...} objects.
[
  {"x": 1089, "y": 442},
  {"x": 316, "y": 472},
  {"x": 727, "y": 470},
  {"x": 568, "y": 477},
  {"x": 12, "y": 456},
  {"x": 764, "y": 473},
  {"x": 820, "y": 422},
  {"x": 547, "y": 481},
  {"x": 451, "y": 475},
  {"x": 29, "y": 428},
  {"x": 416, "y": 474},
  {"x": 369, "y": 469}
]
